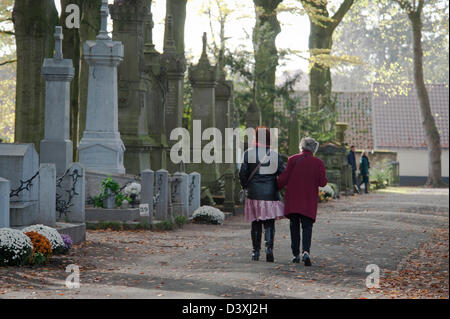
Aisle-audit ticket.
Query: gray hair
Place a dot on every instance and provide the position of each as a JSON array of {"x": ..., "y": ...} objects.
[{"x": 309, "y": 144}]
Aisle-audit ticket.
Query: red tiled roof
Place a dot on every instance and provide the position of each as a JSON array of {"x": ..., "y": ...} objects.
[{"x": 397, "y": 121}]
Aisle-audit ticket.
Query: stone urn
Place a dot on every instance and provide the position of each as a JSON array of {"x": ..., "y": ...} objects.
[
  {"x": 109, "y": 201},
  {"x": 340, "y": 132}
]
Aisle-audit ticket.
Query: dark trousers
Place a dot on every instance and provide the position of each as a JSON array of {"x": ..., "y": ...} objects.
[
  {"x": 307, "y": 224},
  {"x": 355, "y": 180},
  {"x": 256, "y": 232},
  {"x": 365, "y": 181}
]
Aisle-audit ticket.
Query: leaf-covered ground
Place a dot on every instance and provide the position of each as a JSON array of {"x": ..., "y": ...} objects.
[{"x": 400, "y": 230}]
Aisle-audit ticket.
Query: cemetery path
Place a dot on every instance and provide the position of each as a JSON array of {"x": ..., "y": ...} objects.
[{"x": 401, "y": 230}]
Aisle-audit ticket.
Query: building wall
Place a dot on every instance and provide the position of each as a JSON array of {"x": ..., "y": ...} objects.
[{"x": 414, "y": 162}]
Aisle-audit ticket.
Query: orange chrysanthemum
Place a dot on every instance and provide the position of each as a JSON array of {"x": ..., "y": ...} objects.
[{"x": 40, "y": 244}]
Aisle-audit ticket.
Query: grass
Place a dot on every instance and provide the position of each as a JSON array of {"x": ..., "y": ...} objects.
[{"x": 117, "y": 226}]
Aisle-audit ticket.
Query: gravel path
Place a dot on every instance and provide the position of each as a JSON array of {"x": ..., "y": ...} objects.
[{"x": 385, "y": 228}]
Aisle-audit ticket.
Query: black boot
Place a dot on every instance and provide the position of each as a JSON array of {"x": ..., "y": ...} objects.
[
  {"x": 256, "y": 233},
  {"x": 269, "y": 236}
]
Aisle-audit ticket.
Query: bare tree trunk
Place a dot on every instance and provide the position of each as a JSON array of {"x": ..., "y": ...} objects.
[
  {"x": 266, "y": 29},
  {"x": 71, "y": 50},
  {"x": 34, "y": 24},
  {"x": 320, "y": 43},
  {"x": 429, "y": 125}
]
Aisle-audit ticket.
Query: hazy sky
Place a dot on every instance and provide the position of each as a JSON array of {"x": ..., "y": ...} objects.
[{"x": 294, "y": 29}]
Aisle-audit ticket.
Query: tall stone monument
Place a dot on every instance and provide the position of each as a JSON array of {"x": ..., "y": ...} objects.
[
  {"x": 174, "y": 67},
  {"x": 203, "y": 80},
  {"x": 56, "y": 147},
  {"x": 101, "y": 147},
  {"x": 130, "y": 18}
]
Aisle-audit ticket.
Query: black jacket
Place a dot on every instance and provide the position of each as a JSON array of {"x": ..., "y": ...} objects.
[
  {"x": 352, "y": 160},
  {"x": 262, "y": 186}
]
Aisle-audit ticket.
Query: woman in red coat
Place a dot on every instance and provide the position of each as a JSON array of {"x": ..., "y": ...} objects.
[{"x": 302, "y": 178}]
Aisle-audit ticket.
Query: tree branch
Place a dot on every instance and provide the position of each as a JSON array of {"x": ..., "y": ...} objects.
[
  {"x": 339, "y": 15},
  {"x": 7, "y": 32},
  {"x": 7, "y": 62}
]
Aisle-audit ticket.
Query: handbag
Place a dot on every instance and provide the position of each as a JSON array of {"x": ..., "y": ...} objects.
[{"x": 243, "y": 193}]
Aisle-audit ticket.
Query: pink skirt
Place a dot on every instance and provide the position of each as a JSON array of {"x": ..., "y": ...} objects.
[{"x": 263, "y": 209}]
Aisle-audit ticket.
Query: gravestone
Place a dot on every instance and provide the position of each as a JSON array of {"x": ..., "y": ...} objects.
[
  {"x": 174, "y": 67},
  {"x": 194, "y": 192},
  {"x": 130, "y": 18},
  {"x": 101, "y": 148},
  {"x": 19, "y": 164},
  {"x": 47, "y": 195},
  {"x": 180, "y": 194},
  {"x": 56, "y": 147},
  {"x": 203, "y": 80},
  {"x": 71, "y": 188},
  {"x": 5, "y": 189},
  {"x": 147, "y": 191},
  {"x": 228, "y": 204},
  {"x": 253, "y": 116},
  {"x": 162, "y": 194}
]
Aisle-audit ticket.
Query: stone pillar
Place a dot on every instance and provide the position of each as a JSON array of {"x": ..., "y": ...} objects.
[
  {"x": 162, "y": 196},
  {"x": 155, "y": 80},
  {"x": 223, "y": 92},
  {"x": 101, "y": 147},
  {"x": 180, "y": 194},
  {"x": 129, "y": 25},
  {"x": 174, "y": 67},
  {"x": 194, "y": 192},
  {"x": 56, "y": 147},
  {"x": 147, "y": 190},
  {"x": 203, "y": 80},
  {"x": 47, "y": 195},
  {"x": 253, "y": 116},
  {"x": 5, "y": 189}
]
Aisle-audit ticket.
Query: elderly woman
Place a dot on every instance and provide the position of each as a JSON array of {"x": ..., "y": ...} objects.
[
  {"x": 364, "y": 166},
  {"x": 302, "y": 178},
  {"x": 258, "y": 175}
]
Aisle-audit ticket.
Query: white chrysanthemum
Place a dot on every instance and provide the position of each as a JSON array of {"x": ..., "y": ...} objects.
[
  {"x": 133, "y": 188},
  {"x": 50, "y": 233},
  {"x": 209, "y": 214},
  {"x": 14, "y": 246},
  {"x": 327, "y": 189}
]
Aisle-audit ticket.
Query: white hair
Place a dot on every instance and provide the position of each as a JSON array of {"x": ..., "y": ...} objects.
[{"x": 309, "y": 144}]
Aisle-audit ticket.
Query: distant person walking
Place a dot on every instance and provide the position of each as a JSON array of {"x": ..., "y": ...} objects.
[
  {"x": 364, "y": 166},
  {"x": 302, "y": 178},
  {"x": 352, "y": 162},
  {"x": 263, "y": 201}
]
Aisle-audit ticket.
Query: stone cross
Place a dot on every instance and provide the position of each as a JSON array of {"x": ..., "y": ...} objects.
[
  {"x": 104, "y": 13},
  {"x": 58, "y": 43}
]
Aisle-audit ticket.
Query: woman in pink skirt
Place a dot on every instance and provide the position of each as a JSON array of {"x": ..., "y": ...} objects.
[{"x": 258, "y": 175}]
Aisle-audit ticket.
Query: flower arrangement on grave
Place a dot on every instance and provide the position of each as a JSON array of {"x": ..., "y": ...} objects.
[
  {"x": 326, "y": 193},
  {"x": 132, "y": 190},
  {"x": 42, "y": 249},
  {"x": 51, "y": 234},
  {"x": 208, "y": 215},
  {"x": 15, "y": 247},
  {"x": 110, "y": 189},
  {"x": 67, "y": 242}
]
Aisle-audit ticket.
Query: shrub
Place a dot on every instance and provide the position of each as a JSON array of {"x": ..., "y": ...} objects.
[
  {"x": 111, "y": 185},
  {"x": 52, "y": 235},
  {"x": 208, "y": 215},
  {"x": 42, "y": 249},
  {"x": 380, "y": 174},
  {"x": 164, "y": 225},
  {"x": 180, "y": 221},
  {"x": 15, "y": 247}
]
